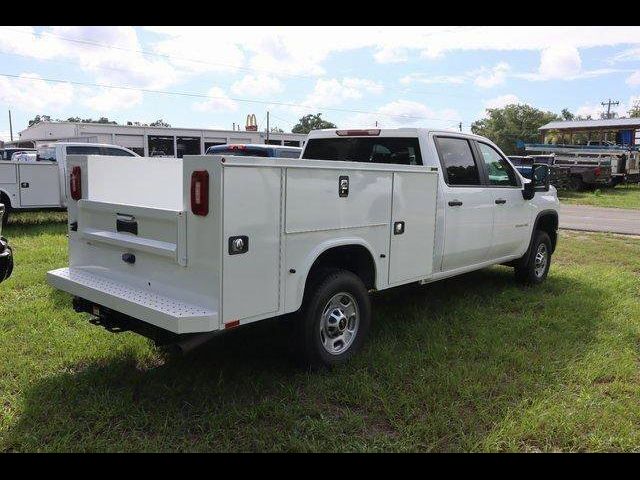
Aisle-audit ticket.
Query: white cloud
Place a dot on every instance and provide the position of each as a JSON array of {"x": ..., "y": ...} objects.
[
  {"x": 218, "y": 102},
  {"x": 28, "y": 93},
  {"x": 634, "y": 79},
  {"x": 257, "y": 85},
  {"x": 404, "y": 113},
  {"x": 332, "y": 91},
  {"x": 110, "y": 99},
  {"x": 560, "y": 62},
  {"x": 391, "y": 55},
  {"x": 487, "y": 78},
  {"x": 501, "y": 101},
  {"x": 296, "y": 50},
  {"x": 433, "y": 79}
]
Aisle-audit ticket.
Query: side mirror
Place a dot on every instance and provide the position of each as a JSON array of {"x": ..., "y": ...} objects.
[
  {"x": 539, "y": 181},
  {"x": 541, "y": 175}
]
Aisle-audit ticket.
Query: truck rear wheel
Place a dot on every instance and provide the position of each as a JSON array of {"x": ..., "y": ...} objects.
[
  {"x": 535, "y": 270},
  {"x": 335, "y": 319}
]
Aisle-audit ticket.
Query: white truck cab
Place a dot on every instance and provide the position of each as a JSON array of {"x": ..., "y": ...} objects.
[
  {"x": 30, "y": 184},
  {"x": 215, "y": 242}
]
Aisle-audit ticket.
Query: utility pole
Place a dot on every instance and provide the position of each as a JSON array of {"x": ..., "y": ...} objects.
[
  {"x": 267, "y": 126},
  {"x": 608, "y": 105},
  {"x": 10, "y": 126}
]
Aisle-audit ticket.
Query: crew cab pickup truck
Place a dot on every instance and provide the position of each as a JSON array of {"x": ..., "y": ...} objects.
[
  {"x": 210, "y": 243},
  {"x": 40, "y": 184}
]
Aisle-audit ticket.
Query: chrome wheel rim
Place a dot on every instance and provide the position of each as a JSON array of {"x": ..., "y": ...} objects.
[
  {"x": 541, "y": 260},
  {"x": 339, "y": 323}
]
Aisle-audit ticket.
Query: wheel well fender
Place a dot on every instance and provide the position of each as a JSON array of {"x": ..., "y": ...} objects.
[
  {"x": 547, "y": 221},
  {"x": 353, "y": 254}
]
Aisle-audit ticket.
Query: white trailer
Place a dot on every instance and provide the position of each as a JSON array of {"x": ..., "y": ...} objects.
[
  {"x": 40, "y": 184},
  {"x": 173, "y": 249}
]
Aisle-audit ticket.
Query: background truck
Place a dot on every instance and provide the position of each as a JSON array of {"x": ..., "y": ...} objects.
[
  {"x": 40, "y": 184},
  {"x": 592, "y": 165},
  {"x": 209, "y": 243}
]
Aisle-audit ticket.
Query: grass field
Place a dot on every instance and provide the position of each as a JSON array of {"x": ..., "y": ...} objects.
[
  {"x": 473, "y": 363},
  {"x": 623, "y": 196}
]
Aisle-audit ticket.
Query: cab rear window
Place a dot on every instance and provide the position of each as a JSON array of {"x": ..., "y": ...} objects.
[
  {"x": 394, "y": 150},
  {"x": 239, "y": 152}
]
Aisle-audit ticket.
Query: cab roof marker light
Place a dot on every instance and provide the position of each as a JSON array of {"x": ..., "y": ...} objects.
[{"x": 371, "y": 132}]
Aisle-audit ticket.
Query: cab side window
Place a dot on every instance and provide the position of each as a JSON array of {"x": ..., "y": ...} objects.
[
  {"x": 499, "y": 171},
  {"x": 118, "y": 152},
  {"x": 82, "y": 150},
  {"x": 458, "y": 163}
]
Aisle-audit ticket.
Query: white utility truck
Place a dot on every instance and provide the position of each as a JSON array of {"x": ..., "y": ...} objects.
[
  {"x": 40, "y": 184},
  {"x": 178, "y": 250}
]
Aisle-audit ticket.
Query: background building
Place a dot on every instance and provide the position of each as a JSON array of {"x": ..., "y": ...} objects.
[
  {"x": 148, "y": 141},
  {"x": 619, "y": 131}
]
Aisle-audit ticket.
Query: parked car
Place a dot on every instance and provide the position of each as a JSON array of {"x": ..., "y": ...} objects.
[
  {"x": 41, "y": 184},
  {"x": 255, "y": 150},
  {"x": 6, "y": 254},
  {"x": 239, "y": 240}
]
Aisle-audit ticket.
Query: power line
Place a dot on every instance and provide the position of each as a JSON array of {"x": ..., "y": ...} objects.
[{"x": 218, "y": 97}]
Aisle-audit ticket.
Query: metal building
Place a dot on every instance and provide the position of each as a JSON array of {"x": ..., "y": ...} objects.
[{"x": 149, "y": 141}]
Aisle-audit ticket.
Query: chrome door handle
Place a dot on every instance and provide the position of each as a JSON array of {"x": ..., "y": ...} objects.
[
  {"x": 455, "y": 203},
  {"x": 501, "y": 201}
]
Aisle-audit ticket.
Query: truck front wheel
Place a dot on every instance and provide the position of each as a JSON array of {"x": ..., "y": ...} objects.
[
  {"x": 335, "y": 319},
  {"x": 536, "y": 268}
]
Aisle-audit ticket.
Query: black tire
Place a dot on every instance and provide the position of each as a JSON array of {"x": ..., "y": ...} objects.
[
  {"x": 312, "y": 325},
  {"x": 7, "y": 210},
  {"x": 529, "y": 272}
]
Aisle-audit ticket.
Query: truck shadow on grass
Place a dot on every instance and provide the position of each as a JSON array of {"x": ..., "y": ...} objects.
[{"x": 443, "y": 365}]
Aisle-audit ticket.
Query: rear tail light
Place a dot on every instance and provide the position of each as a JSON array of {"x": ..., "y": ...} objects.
[
  {"x": 200, "y": 192},
  {"x": 371, "y": 132},
  {"x": 237, "y": 147},
  {"x": 597, "y": 171},
  {"x": 75, "y": 183}
]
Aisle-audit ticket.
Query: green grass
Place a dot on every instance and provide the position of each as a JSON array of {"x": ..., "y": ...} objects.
[
  {"x": 622, "y": 196},
  {"x": 472, "y": 363}
]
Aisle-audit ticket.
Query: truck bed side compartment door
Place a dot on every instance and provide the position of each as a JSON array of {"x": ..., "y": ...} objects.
[
  {"x": 412, "y": 226},
  {"x": 39, "y": 185},
  {"x": 251, "y": 242}
]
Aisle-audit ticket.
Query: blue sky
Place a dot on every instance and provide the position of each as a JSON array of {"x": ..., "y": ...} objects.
[{"x": 356, "y": 76}]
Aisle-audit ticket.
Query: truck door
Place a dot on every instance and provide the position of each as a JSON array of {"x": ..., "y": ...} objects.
[
  {"x": 468, "y": 205},
  {"x": 39, "y": 184},
  {"x": 413, "y": 222},
  {"x": 511, "y": 212}
]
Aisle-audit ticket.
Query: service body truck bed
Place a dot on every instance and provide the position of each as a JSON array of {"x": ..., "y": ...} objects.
[
  {"x": 184, "y": 280},
  {"x": 207, "y": 243}
]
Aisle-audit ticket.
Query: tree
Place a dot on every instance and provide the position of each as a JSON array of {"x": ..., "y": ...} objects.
[
  {"x": 311, "y": 122},
  {"x": 276, "y": 130},
  {"x": 567, "y": 115},
  {"x": 512, "y": 123},
  {"x": 634, "y": 112},
  {"x": 159, "y": 123},
  {"x": 39, "y": 118}
]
